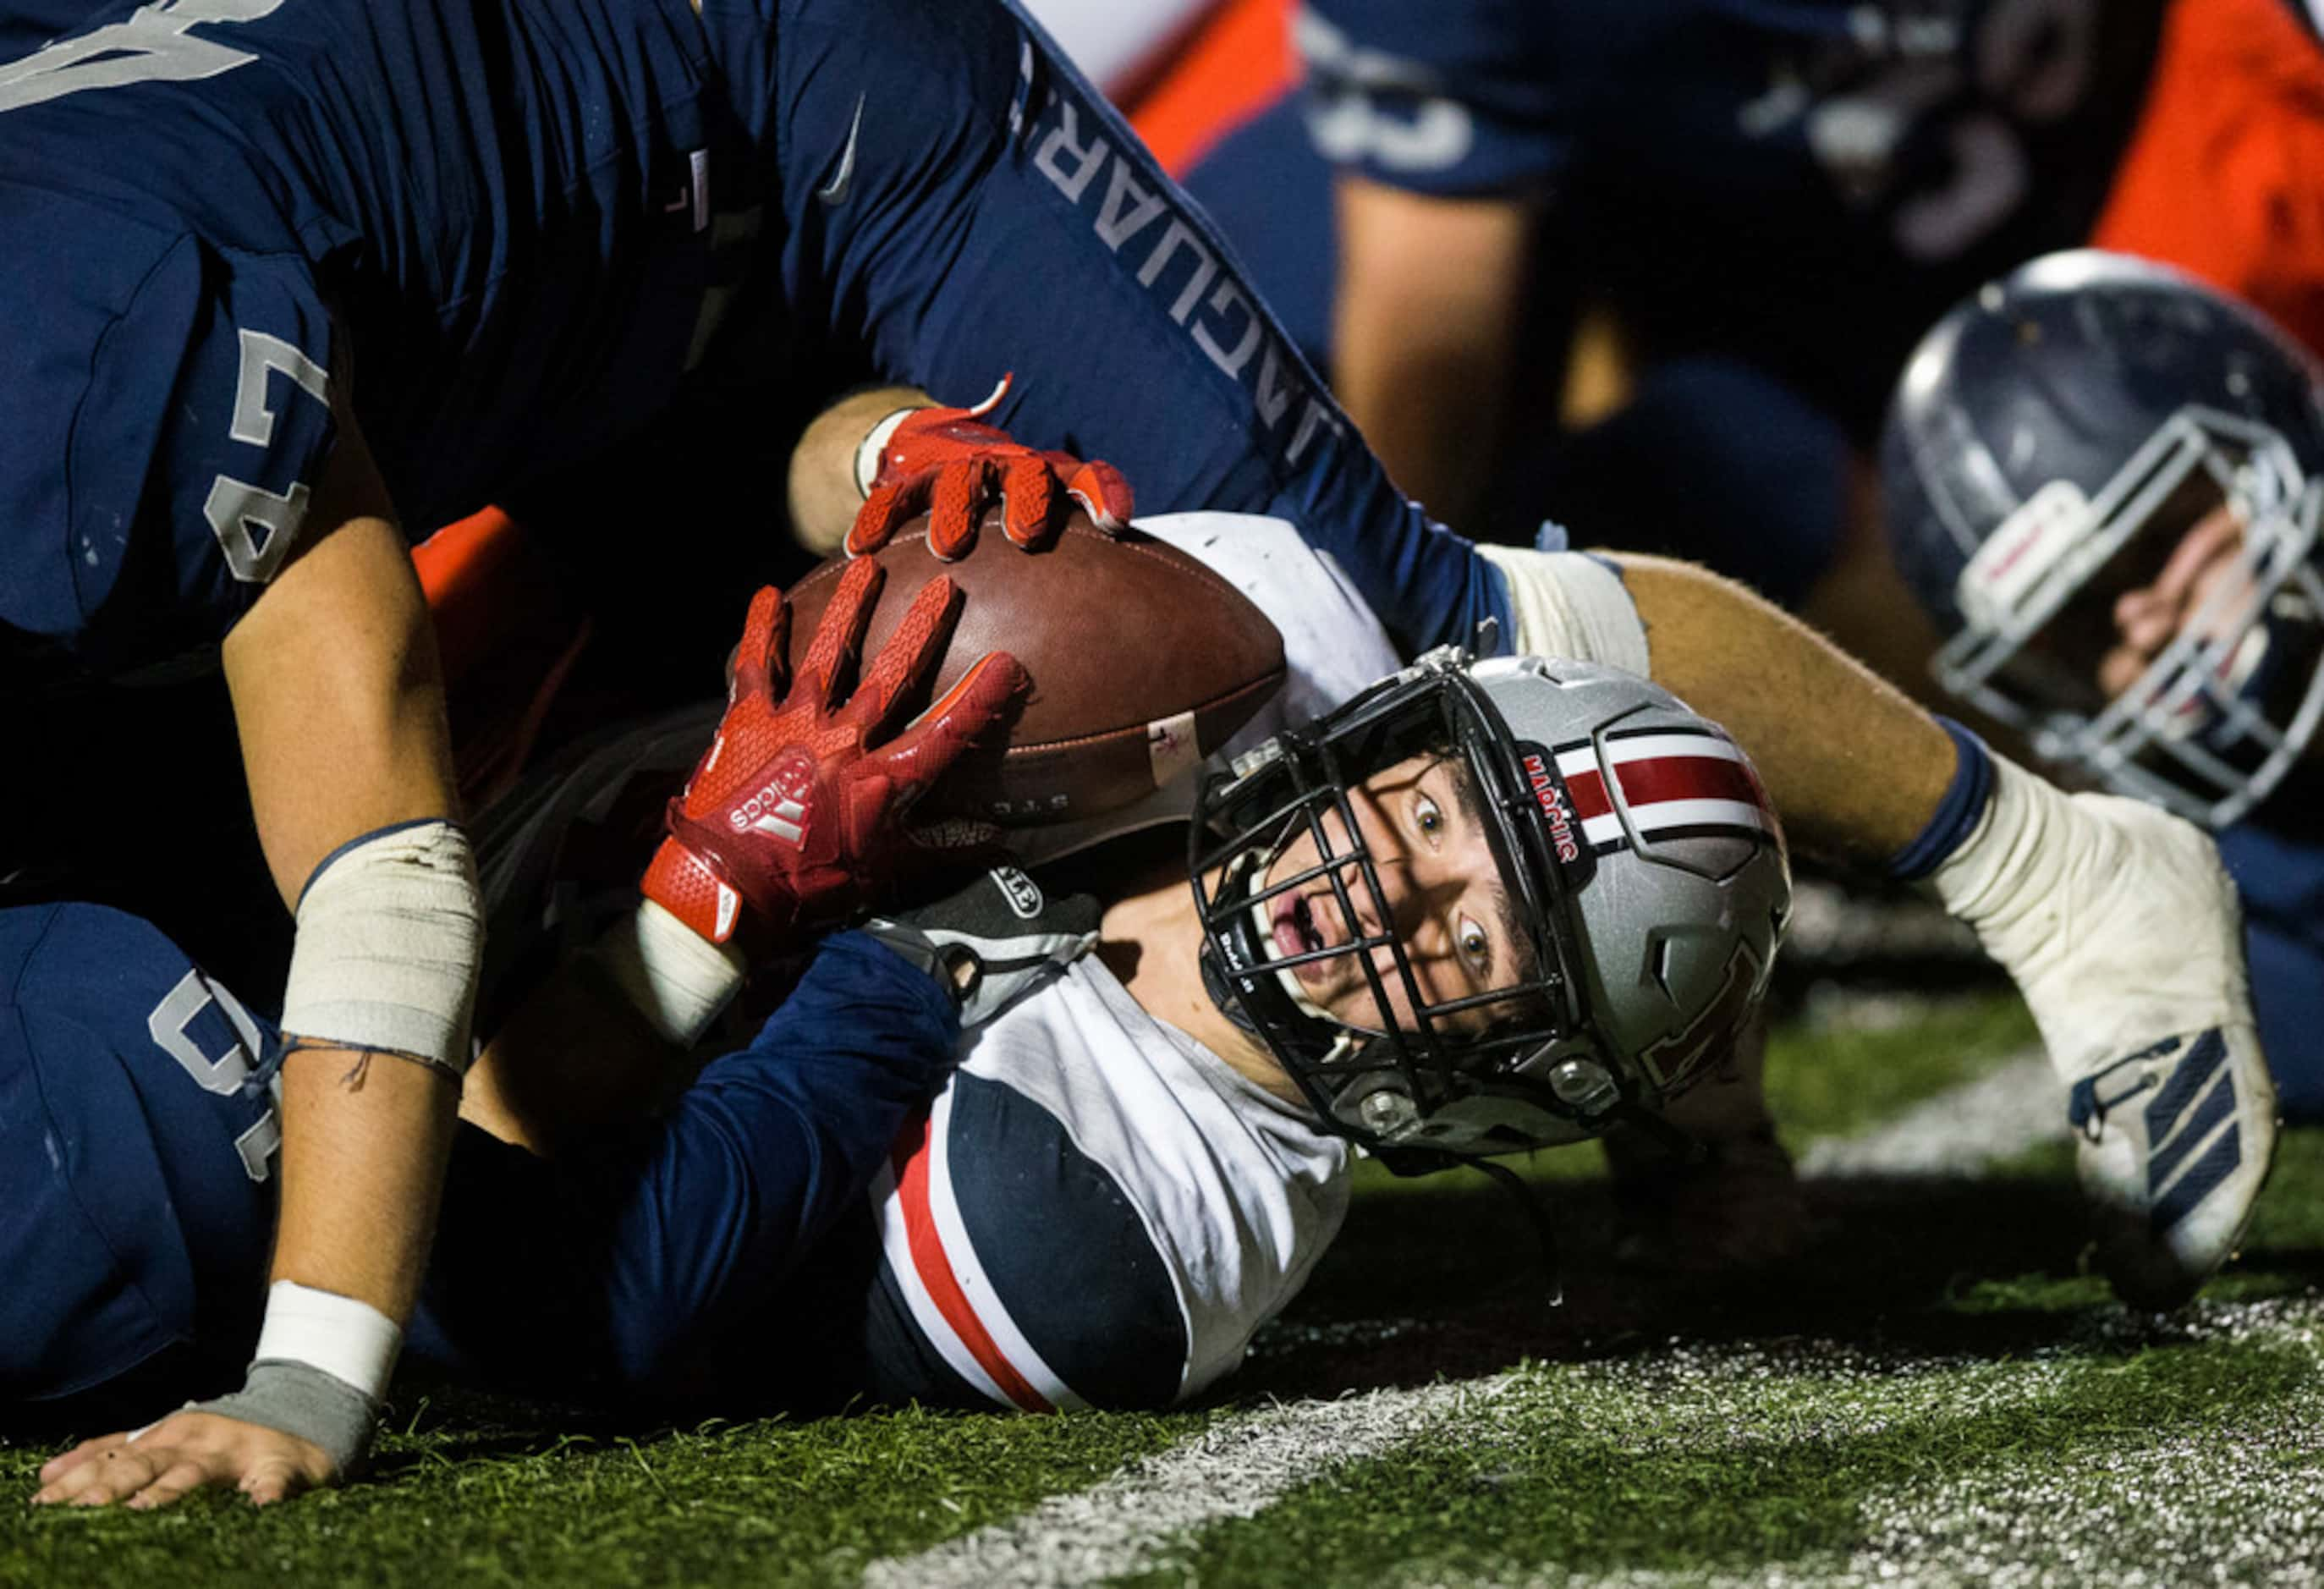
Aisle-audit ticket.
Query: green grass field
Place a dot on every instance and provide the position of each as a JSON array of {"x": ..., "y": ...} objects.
[{"x": 1935, "y": 1392}]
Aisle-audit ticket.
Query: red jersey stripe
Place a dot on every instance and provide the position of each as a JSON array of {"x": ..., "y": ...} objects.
[{"x": 944, "y": 1287}]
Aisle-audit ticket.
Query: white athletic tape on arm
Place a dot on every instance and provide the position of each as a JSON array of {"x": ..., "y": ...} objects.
[
  {"x": 351, "y": 1340},
  {"x": 671, "y": 975},
  {"x": 875, "y": 441},
  {"x": 1570, "y": 606},
  {"x": 389, "y": 930}
]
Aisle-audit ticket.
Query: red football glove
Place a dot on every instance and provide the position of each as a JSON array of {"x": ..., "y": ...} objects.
[
  {"x": 792, "y": 809},
  {"x": 943, "y": 463}
]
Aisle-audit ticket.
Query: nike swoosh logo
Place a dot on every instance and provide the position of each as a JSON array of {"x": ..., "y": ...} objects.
[{"x": 835, "y": 191}]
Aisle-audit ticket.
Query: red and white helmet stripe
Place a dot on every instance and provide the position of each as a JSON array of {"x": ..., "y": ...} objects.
[{"x": 1671, "y": 781}]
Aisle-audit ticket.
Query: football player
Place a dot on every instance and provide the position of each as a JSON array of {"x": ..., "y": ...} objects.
[
  {"x": 141, "y": 1207},
  {"x": 2104, "y": 479},
  {"x": 526, "y": 225},
  {"x": 1737, "y": 276},
  {"x": 1559, "y": 844},
  {"x": 2045, "y": 877},
  {"x": 1423, "y": 921},
  {"x": 530, "y": 225}
]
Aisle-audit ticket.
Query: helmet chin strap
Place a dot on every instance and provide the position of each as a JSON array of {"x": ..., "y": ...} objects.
[
  {"x": 1249, "y": 939},
  {"x": 1222, "y": 995}
]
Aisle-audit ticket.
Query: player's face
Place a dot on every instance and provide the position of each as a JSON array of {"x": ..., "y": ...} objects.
[
  {"x": 1440, "y": 893},
  {"x": 2200, "y": 585}
]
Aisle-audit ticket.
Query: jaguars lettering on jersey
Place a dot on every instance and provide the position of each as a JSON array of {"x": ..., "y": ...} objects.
[{"x": 499, "y": 234}]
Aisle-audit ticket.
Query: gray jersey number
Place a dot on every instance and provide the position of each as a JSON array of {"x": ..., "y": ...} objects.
[
  {"x": 154, "y": 46},
  {"x": 256, "y": 527},
  {"x": 222, "y": 1074}
]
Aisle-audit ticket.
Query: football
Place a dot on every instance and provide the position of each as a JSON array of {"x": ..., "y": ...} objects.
[{"x": 1143, "y": 662}]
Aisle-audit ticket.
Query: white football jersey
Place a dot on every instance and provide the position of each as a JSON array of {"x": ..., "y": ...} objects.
[{"x": 1098, "y": 1210}]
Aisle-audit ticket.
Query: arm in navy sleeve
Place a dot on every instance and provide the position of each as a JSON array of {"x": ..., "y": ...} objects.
[
  {"x": 613, "y": 1268},
  {"x": 998, "y": 215}
]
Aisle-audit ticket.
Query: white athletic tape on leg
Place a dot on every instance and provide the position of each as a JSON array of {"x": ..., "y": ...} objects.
[
  {"x": 671, "y": 975},
  {"x": 2050, "y": 880},
  {"x": 389, "y": 930},
  {"x": 349, "y": 1340},
  {"x": 1570, "y": 606}
]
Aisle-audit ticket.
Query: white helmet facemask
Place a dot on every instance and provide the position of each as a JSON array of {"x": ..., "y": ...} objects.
[{"x": 2222, "y": 711}]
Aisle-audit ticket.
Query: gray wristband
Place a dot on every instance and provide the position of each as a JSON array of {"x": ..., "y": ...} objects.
[{"x": 297, "y": 1398}]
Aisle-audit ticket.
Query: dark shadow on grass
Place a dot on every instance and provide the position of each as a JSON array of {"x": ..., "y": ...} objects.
[
  {"x": 1445, "y": 1279},
  {"x": 1449, "y": 1283},
  {"x": 2302, "y": 1265}
]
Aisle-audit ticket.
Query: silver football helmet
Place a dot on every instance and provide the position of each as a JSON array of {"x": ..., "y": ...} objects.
[
  {"x": 1641, "y": 863},
  {"x": 2052, "y": 441}
]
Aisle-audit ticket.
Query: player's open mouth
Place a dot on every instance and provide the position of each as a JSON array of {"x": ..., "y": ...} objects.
[{"x": 1298, "y": 932}]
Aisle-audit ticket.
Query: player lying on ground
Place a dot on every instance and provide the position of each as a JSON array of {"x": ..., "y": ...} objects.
[
  {"x": 1188, "y": 1192},
  {"x": 1414, "y": 957},
  {"x": 526, "y": 262},
  {"x": 137, "y": 1256},
  {"x": 2065, "y": 892},
  {"x": 2105, "y": 480}
]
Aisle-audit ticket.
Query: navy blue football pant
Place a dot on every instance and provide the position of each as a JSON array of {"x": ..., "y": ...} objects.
[
  {"x": 136, "y": 1199},
  {"x": 137, "y": 1202},
  {"x": 2282, "y": 879}
]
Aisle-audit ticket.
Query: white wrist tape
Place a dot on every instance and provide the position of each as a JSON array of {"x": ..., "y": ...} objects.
[
  {"x": 671, "y": 975},
  {"x": 351, "y": 1340},
  {"x": 1570, "y": 606},
  {"x": 875, "y": 441},
  {"x": 389, "y": 930}
]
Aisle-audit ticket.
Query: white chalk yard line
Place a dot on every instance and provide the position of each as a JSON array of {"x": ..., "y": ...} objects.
[
  {"x": 1236, "y": 1467},
  {"x": 1243, "y": 1463},
  {"x": 1958, "y": 1132}
]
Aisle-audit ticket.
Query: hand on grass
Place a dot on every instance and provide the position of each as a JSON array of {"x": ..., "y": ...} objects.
[{"x": 185, "y": 1452}]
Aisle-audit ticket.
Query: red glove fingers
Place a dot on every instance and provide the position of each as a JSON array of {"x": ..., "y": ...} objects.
[
  {"x": 944, "y": 462},
  {"x": 838, "y": 637},
  {"x": 1098, "y": 486},
  {"x": 909, "y": 657},
  {"x": 985, "y": 696},
  {"x": 759, "y": 665},
  {"x": 978, "y": 700},
  {"x": 792, "y": 809}
]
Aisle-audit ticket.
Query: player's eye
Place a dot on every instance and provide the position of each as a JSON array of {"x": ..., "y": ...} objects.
[
  {"x": 1476, "y": 948},
  {"x": 1427, "y": 817}
]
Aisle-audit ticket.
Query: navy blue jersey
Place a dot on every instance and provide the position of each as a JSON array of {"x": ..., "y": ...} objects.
[
  {"x": 136, "y": 1193},
  {"x": 499, "y": 232},
  {"x": 2277, "y": 860},
  {"x": 625, "y": 1271},
  {"x": 1807, "y": 183},
  {"x": 217, "y": 212},
  {"x": 136, "y": 1200}
]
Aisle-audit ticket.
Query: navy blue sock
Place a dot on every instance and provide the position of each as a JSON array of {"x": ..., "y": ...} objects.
[{"x": 1957, "y": 814}]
